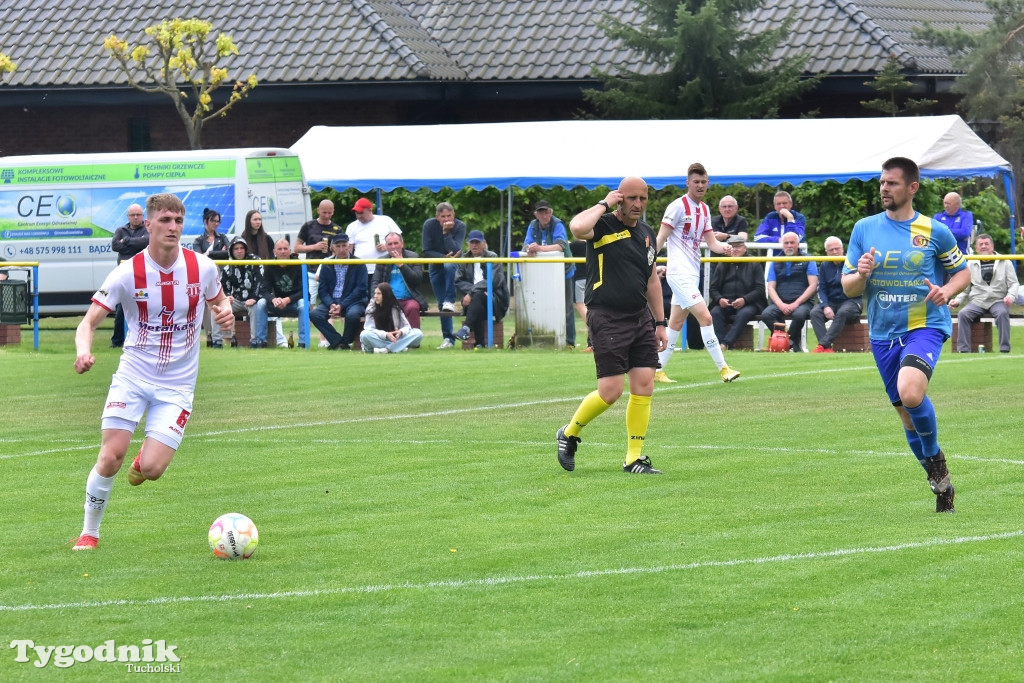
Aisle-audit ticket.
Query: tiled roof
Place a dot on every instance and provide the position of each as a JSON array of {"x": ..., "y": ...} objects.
[
  {"x": 857, "y": 36},
  {"x": 59, "y": 42}
]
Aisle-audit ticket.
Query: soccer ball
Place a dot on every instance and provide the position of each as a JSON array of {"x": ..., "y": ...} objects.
[{"x": 233, "y": 537}]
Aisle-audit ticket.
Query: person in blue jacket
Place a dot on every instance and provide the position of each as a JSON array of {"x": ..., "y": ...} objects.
[{"x": 782, "y": 220}]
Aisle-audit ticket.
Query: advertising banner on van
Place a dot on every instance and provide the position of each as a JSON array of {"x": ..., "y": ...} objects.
[{"x": 75, "y": 213}]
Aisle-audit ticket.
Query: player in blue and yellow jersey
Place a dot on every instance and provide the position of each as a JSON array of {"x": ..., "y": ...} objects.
[{"x": 894, "y": 260}]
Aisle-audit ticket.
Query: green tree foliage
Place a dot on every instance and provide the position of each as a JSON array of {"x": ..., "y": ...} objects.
[
  {"x": 700, "y": 64},
  {"x": 893, "y": 88},
  {"x": 992, "y": 84},
  {"x": 180, "y": 60},
  {"x": 992, "y": 63}
]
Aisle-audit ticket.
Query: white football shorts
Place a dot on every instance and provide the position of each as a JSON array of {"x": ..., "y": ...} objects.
[
  {"x": 166, "y": 410},
  {"x": 685, "y": 290}
]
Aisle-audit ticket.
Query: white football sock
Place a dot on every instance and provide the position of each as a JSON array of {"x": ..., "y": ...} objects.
[
  {"x": 97, "y": 493},
  {"x": 711, "y": 342},
  {"x": 664, "y": 356}
]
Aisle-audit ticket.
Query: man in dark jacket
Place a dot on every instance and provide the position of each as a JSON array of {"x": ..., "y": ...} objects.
[
  {"x": 342, "y": 294},
  {"x": 128, "y": 240},
  {"x": 471, "y": 283},
  {"x": 405, "y": 278},
  {"x": 737, "y": 294},
  {"x": 283, "y": 298},
  {"x": 833, "y": 304}
]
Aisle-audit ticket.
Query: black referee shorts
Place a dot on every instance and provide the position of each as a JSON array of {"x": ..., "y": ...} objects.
[{"x": 622, "y": 341}]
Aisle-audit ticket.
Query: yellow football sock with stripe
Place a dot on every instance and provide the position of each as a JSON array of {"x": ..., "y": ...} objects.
[
  {"x": 638, "y": 415},
  {"x": 592, "y": 406}
]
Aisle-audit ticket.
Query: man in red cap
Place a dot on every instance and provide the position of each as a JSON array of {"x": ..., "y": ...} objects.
[{"x": 367, "y": 233}]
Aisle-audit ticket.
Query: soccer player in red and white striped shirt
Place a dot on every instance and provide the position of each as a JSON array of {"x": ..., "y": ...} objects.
[
  {"x": 687, "y": 223},
  {"x": 163, "y": 291}
]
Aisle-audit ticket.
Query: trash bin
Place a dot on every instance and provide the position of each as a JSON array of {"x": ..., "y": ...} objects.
[
  {"x": 540, "y": 301},
  {"x": 15, "y": 306}
]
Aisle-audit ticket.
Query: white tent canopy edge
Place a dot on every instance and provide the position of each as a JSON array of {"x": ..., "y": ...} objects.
[{"x": 594, "y": 153}]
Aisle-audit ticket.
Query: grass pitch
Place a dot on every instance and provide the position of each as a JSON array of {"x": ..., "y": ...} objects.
[{"x": 415, "y": 524}]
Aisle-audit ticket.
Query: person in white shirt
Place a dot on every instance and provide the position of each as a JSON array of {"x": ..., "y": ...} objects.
[
  {"x": 687, "y": 223},
  {"x": 163, "y": 291},
  {"x": 367, "y": 234}
]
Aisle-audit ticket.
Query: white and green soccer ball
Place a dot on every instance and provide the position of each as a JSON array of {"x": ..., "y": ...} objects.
[{"x": 233, "y": 536}]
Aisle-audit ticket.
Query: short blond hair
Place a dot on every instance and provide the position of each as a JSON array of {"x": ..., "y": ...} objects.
[{"x": 164, "y": 201}]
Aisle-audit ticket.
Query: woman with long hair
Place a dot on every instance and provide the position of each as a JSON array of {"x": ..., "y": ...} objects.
[
  {"x": 386, "y": 329},
  {"x": 215, "y": 245},
  {"x": 256, "y": 238}
]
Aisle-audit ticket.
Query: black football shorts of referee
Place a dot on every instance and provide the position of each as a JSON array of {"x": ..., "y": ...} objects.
[{"x": 625, "y": 315}]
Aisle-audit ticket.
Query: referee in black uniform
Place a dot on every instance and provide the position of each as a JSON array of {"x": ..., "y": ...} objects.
[{"x": 625, "y": 315}]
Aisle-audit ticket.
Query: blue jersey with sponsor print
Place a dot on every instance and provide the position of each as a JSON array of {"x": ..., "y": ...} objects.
[{"x": 906, "y": 253}]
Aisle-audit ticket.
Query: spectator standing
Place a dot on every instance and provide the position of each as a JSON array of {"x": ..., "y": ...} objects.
[
  {"x": 283, "y": 297},
  {"x": 367, "y": 233},
  {"x": 342, "y": 294},
  {"x": 959, "y": 222},
  {"x": 315, "y": 235},
  {"x": 833, "y": 304},
  {"x": 791, "y": 287},
  {"x": 243, "y": 284},
  {"x": 129, "y": 239},
  {"x": 471, "y": 283},
  {"x": 443, "y": 237},
  {"x": 578, "y": 249},
  {"x": 156, "y": 375},
  {"x": 546, "y": 232},
  {"x": 214, "y": 244},
  {"x": 782, "y": 220},
  {"x": 687, "y": 223},
  {"x": 404, "y": 278},
  {"x": 908, "y": 320},
  {"x": 387, "y": 330},
  {"x": 992, "y": 290},
  {"x": 737, "y": 294},
  {"x": 257, "y": 241},
  {"x": 625, "y": 316},
  {"x": 728, "y": 222}
]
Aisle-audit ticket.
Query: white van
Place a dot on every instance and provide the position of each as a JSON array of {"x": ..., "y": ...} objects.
[{"x": 63, "y": 209}]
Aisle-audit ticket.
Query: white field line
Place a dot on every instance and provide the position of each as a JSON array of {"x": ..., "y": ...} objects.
[
  {"x": 514, "y": 579},
  {"x": 503, "y": 406}
]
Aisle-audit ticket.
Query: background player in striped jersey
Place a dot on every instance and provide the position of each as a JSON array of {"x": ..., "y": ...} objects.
[
  {"x": 163, "y": 291},
  {"x": 687, "y": 223},
  {"x": 894, "y": 260}
]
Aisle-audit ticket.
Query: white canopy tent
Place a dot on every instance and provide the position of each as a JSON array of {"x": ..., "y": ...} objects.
[{"x": 593, "y": 153}]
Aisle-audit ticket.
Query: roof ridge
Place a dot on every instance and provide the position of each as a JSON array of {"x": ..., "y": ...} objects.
[
  {"x": 398, "y": 45},
  {"x": 868, "y": 25}
]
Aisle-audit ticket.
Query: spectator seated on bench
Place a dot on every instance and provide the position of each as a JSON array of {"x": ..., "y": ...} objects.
[
  {"x": 737, "y": 296},
  {"x": 342, "y": 294},
  {"x": 283, "y": 297},
  {"x": 833, "y": 304},
  {"x": 244, "y": 284},
  {"x": 791, "y": 287},
  {"x": 471, "y": 285},
  {"x": 993, "y": 289}
]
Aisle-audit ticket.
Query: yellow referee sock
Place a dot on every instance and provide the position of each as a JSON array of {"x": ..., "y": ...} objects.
[
  {"x": 592, "y": 406},
  {"x": 638, "y": 415}
]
